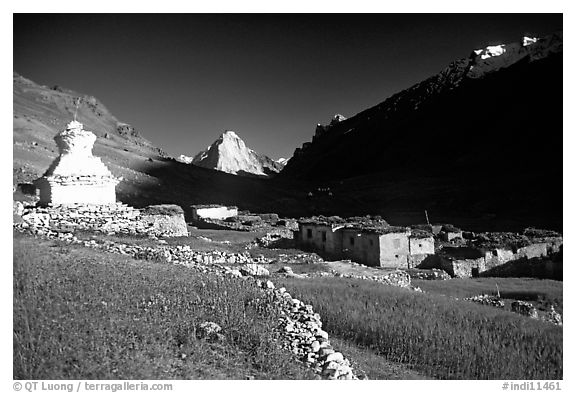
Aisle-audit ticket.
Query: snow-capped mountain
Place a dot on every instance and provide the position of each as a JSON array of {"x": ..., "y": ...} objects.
[
  {"x": 463, "y": 83},
  {"x": 230, "y": 154},
  {"x": 184, "y": 159},
  {"x": 481, "y": 138}
]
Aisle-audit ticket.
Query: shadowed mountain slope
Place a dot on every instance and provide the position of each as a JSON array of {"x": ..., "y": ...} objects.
[{"x": 482, "y": 140}]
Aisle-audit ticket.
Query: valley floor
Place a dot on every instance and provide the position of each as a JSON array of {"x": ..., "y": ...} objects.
[{"x": 81, "y": 313}]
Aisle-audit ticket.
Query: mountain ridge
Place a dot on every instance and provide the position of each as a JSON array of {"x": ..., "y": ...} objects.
[{"x": 487, "y": 147}]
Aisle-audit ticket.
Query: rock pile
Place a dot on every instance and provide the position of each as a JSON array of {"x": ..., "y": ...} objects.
[
  {"x": 398, "y": 278},
  {"x": 209, "y": 331},
  {"x": 299, "y": 258},
  {"x": 487, "y": 300},
  {"x": 253, "y": 269},
  {"x": 524, "y": 308},
  {"x": 553, "y": 317},
  {"x": 278, "y": 238},
  {"x": 433, "y": 274}
]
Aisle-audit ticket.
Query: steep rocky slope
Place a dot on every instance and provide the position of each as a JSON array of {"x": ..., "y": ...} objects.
[
  {"x": 40, "y": 112},
  {"x": 482, "y": 139},
  {"x": 230, "y": 154}
]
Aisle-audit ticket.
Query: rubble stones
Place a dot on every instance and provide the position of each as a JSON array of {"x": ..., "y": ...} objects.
[
  {"x": 17, "y": 208},
  {"x": 398, "y": 278},
  {"x": 553, "y": 317},
  {"x": 209, "y": 331},
  {"x": 253, "y": 269},
  {"x": 524, "y": 308},
  {"x": 487, "y": 300},
  {"x": 432, "y": 274}
]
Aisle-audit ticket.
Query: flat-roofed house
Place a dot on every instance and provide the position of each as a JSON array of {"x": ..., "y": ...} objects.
[{"x": 322, "y": 235}]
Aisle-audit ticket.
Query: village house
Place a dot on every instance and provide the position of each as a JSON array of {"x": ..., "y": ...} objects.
[
  {"x": 474, "y": 260},
  {"x": 381, "y": 245},
  {"x": 322, "y": 235}
]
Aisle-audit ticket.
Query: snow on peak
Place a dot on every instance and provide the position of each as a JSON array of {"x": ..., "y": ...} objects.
[
  {"x": 230, "y": 134},
  {"x": 322, "y": 129},
  {"x": 491, "y": 51},
  {"x": 337, "y": 118},
  {"x": 75, "y": 125},
  {"x": 529, "y": 40},
  {"x": 283, "y": 161},
  {"x": 184, "y": 159}
]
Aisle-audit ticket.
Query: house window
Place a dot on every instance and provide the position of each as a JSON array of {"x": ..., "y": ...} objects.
[
  {"x": 352, "y": 240},
  {"x": 309, "y": 233},
  {"x": 419, "y": 245},
  {"x": 396, "y": 243},
  {"x": 323, "y": 236}
]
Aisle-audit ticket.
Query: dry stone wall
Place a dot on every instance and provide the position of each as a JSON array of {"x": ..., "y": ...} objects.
[{"x": 108, "y": 218}]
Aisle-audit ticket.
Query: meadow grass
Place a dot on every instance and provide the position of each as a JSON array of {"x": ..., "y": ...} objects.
[
  {"x": 83, "y": 314},
  {"x": 543, "y": 293},
  {"x": 436, "y": 335}
]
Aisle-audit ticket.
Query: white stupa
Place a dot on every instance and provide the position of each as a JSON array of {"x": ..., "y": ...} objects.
[{"x": 76, "y": 176}]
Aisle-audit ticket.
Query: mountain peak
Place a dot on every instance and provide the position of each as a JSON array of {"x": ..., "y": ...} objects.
[
  {"x": 229, "y": 134},
  {"x": 230, "y": 154}
]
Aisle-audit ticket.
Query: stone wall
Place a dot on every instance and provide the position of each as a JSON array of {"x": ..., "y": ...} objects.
[
  {"x": 394, "y": 250},
  {"x": 463, "y": 268},
  {"x": 421, "y": 245},
  {"x": 107, "y": 218},
  {"x": 165, "y": 219}
]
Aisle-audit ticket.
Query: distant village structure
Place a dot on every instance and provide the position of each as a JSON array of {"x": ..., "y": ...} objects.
[
  {"x": 76, "y": 176},
  {"x": 373, "y": 242},
  {"x": 215, "y": 212},
  {"x": 370, "y": 242}
]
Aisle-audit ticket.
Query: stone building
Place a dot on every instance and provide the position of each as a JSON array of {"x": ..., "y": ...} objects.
[
  {"x": 421, "y": 246},
  {"x": 321, "y": 235},
  {"x": 76, "y": 176},
  {"x": 372, "y": 245}
]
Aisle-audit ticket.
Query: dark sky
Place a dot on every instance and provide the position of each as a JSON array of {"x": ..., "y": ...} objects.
[{"x": 183, "y": 79}]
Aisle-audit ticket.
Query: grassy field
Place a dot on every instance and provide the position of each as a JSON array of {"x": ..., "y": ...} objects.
[
  {"x": 83, "y": 314},
  {"x": 542, "y": 293},
  {"x": 433, "y": 334}
]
